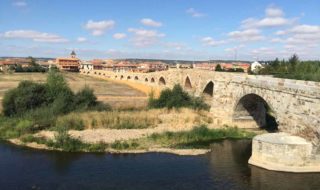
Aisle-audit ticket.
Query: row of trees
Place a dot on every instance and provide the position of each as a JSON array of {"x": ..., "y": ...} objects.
[{"x": 292, "y": 68}]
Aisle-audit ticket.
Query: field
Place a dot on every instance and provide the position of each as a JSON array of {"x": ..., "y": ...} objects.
[{"x": 116, "y": 94}]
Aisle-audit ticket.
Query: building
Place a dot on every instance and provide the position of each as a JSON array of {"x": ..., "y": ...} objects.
[
  {"x": 71, "y": 63},
  {"x": 86, "y": 65},
  {"x": 124, "y": 66},
  {"x": 97, "y": 64},
  {"x": 5, "y": 65},
  {"x": 146, "y": 67},
  {"x": 205, "y": 66}
]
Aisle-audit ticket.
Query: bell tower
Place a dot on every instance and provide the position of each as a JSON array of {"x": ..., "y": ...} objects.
[{"x": 73, "y": 54}]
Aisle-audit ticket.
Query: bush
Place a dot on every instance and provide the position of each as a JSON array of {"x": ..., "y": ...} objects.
[
  {"x": 27, "y": 96},
  {"x": 85, "y": 99},
  {"x": 70, "y": 123},
  {"x": 65, "y": 142},
  {"x": 176, "y": 98}
]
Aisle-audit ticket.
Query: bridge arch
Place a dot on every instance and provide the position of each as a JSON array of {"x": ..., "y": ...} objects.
[
  {"x": 121, "y": 77},
  {"x": 152, "y": 80},
  {"x": 187, "y": 83},
  {"x": 136, "y": 78},
  {"x": 254, "y": 108},
  {"x": 162, "y": 81},
  {"x": 146, "y": 79},
  {"x": 208, "y": 89},
  {"x": 128, "y": 77}
]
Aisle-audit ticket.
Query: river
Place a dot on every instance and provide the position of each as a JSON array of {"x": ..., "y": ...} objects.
[{"x": 225, "y": 167}]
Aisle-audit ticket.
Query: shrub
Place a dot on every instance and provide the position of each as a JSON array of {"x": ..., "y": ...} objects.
[
  {"x": 176, "y": 98},
  {"x": 70, "y": 123},
  {"x": 27, "y": 96},
  {"x": 65, "y": 142},
  {"x": 218, "y": 68}
]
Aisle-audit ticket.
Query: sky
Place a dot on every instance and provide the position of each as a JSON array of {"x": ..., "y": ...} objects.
[{"x": 161, "y": 29}]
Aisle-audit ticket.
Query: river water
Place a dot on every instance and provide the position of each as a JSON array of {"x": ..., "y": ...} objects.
[{"x": 225, "y": 167}]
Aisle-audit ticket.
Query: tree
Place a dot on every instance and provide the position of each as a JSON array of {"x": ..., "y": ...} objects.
[
  {"x": 19, "y": 68},
  {"x": 32, "y": 61},
  {"x": 293, "y": 61},
  {"x": 218, "y": 68}
]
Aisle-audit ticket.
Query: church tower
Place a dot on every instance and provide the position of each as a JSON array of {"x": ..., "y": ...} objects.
[{"x": 73, "y": 54}]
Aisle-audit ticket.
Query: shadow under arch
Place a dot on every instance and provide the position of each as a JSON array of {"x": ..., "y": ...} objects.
[
  {"x": 208, "y": 90},
  {"x": 187, "y": 83},
  {"x": 136, "y": 78},
  {"x": 162, "y": 82},
  {"x": 252, "y": 107},
  {"x": 146, "y": 79},
  {"x": 128, "y": 77},
  {"x": 152, "y": 80},
  {"x": 121, "y": 77}
]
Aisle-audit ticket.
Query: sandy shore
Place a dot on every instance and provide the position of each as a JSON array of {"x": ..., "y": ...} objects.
[
  {"x": 181, "y": 152},
  {"x": 112, "y": 135}
]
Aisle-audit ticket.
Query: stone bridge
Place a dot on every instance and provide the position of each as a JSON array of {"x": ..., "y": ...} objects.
[{"x": 292, "y": 106}]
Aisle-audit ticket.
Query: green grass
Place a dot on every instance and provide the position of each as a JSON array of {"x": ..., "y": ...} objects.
[{"x": 198, "y": 137}]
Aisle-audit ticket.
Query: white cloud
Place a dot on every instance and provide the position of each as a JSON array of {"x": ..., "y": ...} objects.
[
  {"x": 301, "y": 34},
  {"x": 274, "y": 17},
  {"x": 175, "y": 45},
  {"x": 194, "y": 13},
  {"x": 119, "y": 36},
  {"x": 235, "y": 48},
  {"x": 246, "y": 35},
  {"x": 98, "y": 28},
  {"x": 209, "y": 41},
  {"x": 305, "y": 29},
  {"x": 280, "y": 32},
  {"x": 276, "y": 40},
  {"x": 144, "y": 38},
  {"x": 150, "y": 22},
  {"x": 81, "y": 39},
  {"x": 34, "y": 35},
  {"x": 19, "y": 4},
  {"x": 274, "y": 12}
]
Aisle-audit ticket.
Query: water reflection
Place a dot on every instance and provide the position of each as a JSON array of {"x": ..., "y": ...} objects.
[{"x": 224, "y": 168}]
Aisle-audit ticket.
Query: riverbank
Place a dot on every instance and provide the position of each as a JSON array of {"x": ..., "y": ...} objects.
[
  {"x": 194, "y": 141},
  {"x": 181, "y": 152}
]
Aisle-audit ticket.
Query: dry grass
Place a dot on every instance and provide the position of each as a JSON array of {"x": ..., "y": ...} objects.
[
  {"x": 183, "y": 118},
  {"x": 116, "y": 94}
]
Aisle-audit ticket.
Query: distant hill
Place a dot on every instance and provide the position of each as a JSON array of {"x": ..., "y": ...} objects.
[{"x": 37, "y": 58}]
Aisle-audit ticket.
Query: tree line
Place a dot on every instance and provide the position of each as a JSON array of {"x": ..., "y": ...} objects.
[{"x": 293, "y": 68}]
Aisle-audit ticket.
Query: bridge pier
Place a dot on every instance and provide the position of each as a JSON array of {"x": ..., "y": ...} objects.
[{"x": 284, "y": 152}]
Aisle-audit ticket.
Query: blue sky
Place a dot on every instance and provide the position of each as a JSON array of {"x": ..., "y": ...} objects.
[{"x": 163, "y": 29}]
